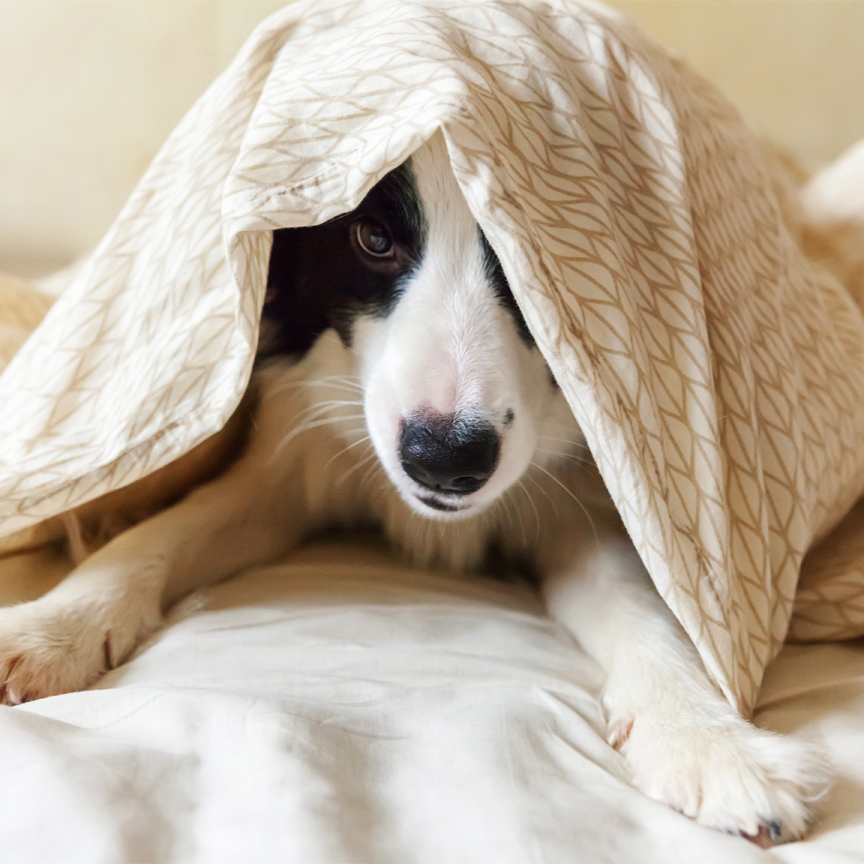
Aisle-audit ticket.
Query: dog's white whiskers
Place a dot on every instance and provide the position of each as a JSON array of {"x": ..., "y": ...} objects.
[
  {"x": 519, "y": 520},
  {"x": 313, "y": 412},
  {"x": 344, "y": 450},
  {"x": 351, "y": 380},
  {"x": 315, "y": 420},
  {"x": 521, "y": 516},
  {"x": 329, "y": 421},
  {"x": 374, "y": 471},
  {"x": 335, "y": 382},
  {"x": 513, "y": 514},
  {"x": 527, "y": 476},
  {"x": 578, "y": 460},
  {"x": 328, "y": 405},
  {"x": 567, "y": 441},
  {"x": 524, "y": 489},
  {"x": 349, "y": 388},
  {"x": 277, "y": 390},
  {"x": 364, "y": 461},
  {"x": 570, "y": 493}
]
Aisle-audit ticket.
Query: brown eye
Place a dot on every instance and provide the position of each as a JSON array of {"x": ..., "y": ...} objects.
[{"x": 374, "y": 239}]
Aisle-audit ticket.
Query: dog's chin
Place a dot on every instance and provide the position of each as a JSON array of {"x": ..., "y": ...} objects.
[{"x": 443, "y": 508}]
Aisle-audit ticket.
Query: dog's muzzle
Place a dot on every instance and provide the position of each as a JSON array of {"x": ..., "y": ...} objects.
[{"x": 448, "y": 455}]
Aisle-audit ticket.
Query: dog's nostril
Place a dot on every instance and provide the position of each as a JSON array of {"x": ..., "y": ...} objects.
[
  {"x": 415, "y": 472},
  {"x": 467, "y": 483},
  {"x": 447, "y": 455}
]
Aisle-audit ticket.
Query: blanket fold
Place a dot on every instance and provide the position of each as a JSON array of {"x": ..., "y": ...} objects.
[{"x": 717, "y": 374}]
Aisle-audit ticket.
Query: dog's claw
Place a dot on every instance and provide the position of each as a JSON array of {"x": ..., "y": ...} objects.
[{"x": 768, "y": 835}]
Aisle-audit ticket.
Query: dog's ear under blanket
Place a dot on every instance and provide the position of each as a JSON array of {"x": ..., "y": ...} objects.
[{"x": 718, "y": 376}]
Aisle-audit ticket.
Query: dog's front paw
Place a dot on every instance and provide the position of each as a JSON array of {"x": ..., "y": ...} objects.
[
  {"x": 724, "y": 773},
  {"x": 46, "y": 650}
]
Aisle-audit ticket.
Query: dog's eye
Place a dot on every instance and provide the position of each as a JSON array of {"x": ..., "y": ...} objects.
[{"x": 374, "y": 239}]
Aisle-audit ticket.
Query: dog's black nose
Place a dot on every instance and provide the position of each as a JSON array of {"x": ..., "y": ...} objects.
[{"x": 448, "y": 455}]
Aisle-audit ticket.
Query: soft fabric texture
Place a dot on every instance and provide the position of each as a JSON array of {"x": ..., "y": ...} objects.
[
  {"x": 829, "y": 603},
  {"x": 719, "y": 380},
  {"x": 22, "y": 308},
  {"x": 340, "y": 707}
]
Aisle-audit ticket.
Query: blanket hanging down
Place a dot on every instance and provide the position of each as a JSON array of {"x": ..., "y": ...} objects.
[{"x": 718, "y": 377}]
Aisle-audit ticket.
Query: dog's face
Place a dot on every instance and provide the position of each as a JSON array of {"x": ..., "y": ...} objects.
[{"x": 455, "y": 393}]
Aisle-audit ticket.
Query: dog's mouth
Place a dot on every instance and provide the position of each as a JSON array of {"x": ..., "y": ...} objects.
[{"x": 443, "y": 505}]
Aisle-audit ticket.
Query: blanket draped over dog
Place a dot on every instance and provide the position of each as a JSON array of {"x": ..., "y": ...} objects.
[{"x": 718, "y": 377}]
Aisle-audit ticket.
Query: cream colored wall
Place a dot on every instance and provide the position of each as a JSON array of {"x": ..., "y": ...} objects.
[
  {"x": 795, "y": 68},
  {"x": 88, "y": 93},
  {"x": 89, "y": 90}
]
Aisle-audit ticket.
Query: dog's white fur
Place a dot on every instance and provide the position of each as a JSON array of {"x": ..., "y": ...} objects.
[{"x": 324, "y": 453}]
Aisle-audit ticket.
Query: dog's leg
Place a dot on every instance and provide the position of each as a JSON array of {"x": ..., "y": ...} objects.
[
  {"x": 684, "y": 744},
  {"x": 92, "y": 620}
]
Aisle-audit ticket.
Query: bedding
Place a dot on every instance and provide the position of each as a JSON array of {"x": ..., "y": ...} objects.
[
  {"x": 340, "y": 706},
  {"x": 717, "y": 376}
]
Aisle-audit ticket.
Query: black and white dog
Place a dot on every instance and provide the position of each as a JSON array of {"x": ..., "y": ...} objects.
[{"x": 398, "y": 384}]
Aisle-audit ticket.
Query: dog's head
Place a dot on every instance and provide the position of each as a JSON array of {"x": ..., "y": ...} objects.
[{"x": 456, "y": 395}]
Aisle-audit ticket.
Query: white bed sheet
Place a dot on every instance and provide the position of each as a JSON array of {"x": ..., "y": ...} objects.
[{"x": 344, "y": 707}]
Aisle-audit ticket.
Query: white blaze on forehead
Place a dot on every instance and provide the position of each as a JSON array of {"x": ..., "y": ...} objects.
[
  {"x": 450, "y": 330},
  {"x": 450, "y": 346}
]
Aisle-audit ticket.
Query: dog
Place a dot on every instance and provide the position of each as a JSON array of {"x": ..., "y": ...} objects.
[{"x": 397, "y": 385}]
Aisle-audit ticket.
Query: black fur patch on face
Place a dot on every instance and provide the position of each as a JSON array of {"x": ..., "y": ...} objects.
[
  {"x": 495, "y": 275},
  {"x": 328, "y": 275}
]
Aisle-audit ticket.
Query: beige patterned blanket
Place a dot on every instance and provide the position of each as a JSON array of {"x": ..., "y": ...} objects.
[{"x": 718, "y": 376}]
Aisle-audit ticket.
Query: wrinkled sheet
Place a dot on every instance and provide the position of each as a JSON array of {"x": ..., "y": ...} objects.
[
  {"x": 718, "y": 377},
  {"x": 343, "y": 707}
]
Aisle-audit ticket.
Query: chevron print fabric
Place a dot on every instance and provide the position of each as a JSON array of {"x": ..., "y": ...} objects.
[{"x": 718, "y": 377}]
